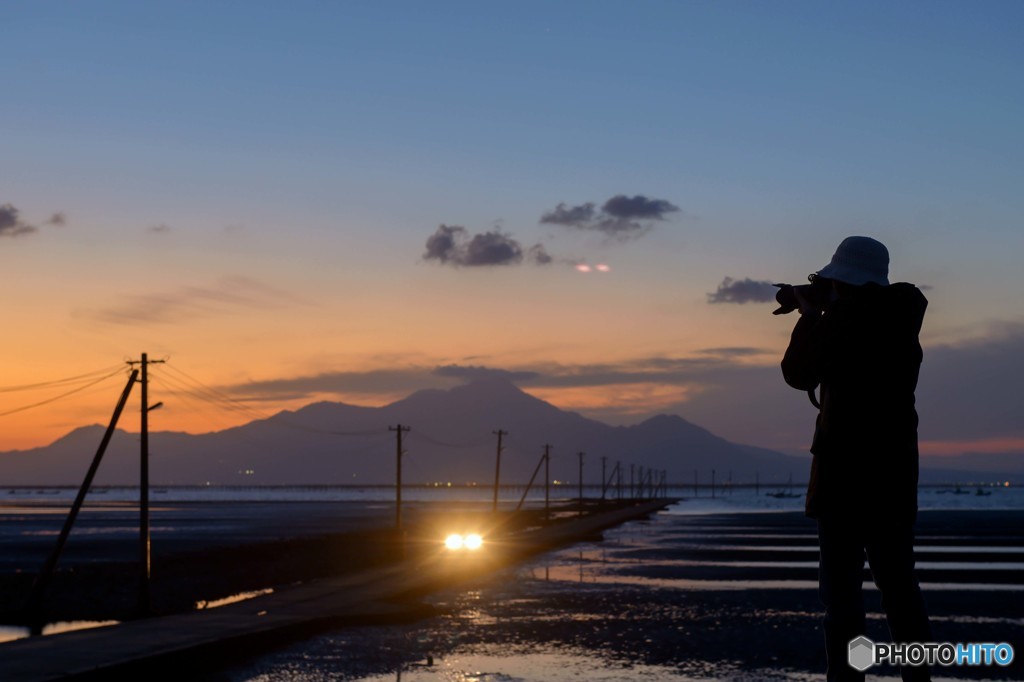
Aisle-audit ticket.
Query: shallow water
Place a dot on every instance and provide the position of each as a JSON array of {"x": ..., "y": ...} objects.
[{"x": 591, "y": 612}]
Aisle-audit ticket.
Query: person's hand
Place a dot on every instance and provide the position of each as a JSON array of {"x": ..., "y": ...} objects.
[{"x": 806, "y": 306}]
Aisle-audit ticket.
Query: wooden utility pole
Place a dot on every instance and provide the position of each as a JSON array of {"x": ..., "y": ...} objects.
[
  {"x": 497, "y": 468},
  {"x": 580, "y": 455},
  {"x": 145, "y": 552},
  {"x": 399, "y": 430},
  {"x": 547, "y": 482},
  {"x": 32, "y": 608},
  {"x": 604, "y": 476}
]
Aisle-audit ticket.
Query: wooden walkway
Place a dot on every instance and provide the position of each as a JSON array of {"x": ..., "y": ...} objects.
[{"x": 169, "y": 647}]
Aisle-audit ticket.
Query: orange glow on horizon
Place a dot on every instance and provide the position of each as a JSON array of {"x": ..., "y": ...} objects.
[
  {"x": 947, "y": 448},
  {"x": 626, "y": 399}
]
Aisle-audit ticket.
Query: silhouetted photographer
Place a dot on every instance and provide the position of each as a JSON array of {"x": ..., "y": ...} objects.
[{"x": 857, "y": 342}]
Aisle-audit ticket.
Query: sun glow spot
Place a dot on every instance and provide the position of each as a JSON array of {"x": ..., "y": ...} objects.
[
  {"x": 583, "y": 267},
  {"x": 454, "y": 541}
]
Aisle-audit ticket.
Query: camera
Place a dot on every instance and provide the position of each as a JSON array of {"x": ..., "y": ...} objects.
[{"x": 818, "y": 293}]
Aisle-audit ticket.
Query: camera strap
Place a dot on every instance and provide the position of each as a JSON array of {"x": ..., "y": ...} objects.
[{"x": 814, "y": 399}]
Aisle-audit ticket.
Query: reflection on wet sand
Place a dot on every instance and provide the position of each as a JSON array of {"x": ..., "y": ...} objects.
[{"x": 632, "y": 607}]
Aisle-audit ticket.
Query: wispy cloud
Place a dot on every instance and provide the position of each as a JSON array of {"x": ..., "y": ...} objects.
[
  {"x": 743, "y": 291},
  {"x": 967, "y": 393},
  {"x": 227, "y": 296},
  {"x": 162, "y": 228},
  {"x": 454, "y": 245},
  {"x": 413, "y": 376},
  {"x": 620, "y": 218},
  {"x": 475, "y": 372}
]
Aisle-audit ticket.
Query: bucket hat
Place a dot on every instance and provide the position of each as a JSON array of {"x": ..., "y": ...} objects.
[{"x": 857, "y": 261}]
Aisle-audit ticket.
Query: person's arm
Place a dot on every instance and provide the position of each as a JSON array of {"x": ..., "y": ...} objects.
[{"x": 801, "y": 365}]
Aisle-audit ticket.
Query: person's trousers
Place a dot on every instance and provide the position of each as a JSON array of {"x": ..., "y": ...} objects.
[{"x": 890, "y": 554}]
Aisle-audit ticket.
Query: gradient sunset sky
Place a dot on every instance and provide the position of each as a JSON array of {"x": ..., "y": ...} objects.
[{"x": 351, "y": 201}]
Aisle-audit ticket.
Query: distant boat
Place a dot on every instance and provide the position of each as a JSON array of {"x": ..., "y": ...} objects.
[
  {"x": 982, "y": 491},
  {"x": 784, "y": 494}
]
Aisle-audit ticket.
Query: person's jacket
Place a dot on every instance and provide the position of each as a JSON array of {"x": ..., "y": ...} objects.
[{"x": 864, "y": 354}]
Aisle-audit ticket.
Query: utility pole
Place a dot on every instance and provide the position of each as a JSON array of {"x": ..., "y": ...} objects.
[
  {"x": 145, "y": 554},
  {"x": 497, "y": 468},
  {"x": 580, "y": 455},
  {"x": 632, "y": 485},
  {"x": 604, "y": 477},
  {"x": 618, "y": 480},
  {"x": 399, "y": 430},
  {"x": 39, "y": 585},
  {"x": 639, "y": 481},
  {"x": 547, "y": 483}
]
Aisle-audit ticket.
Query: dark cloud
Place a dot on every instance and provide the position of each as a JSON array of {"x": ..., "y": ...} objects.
[
  {"x": 11, "y": 224},
  {"x": 492, "y": 248},
  {"x": 743, "y": 291},
  {"x": 472, "y": 372},
  {"x": 620, "y": 218},
  {"x": 453, "y": 245},
  {"x": 622, "y": 229},
  {"x": 162, "y": 228},
  {"x": 370, "y": 383},
  {"x": 575, "y": 216},
  {"x": 638, "y": 207},
  {"x": 539, "y": 255},
  {"x": 442, "y": 245}
]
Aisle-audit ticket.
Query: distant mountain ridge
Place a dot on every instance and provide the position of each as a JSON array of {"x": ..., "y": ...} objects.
[{"x": 451, "y": 439}]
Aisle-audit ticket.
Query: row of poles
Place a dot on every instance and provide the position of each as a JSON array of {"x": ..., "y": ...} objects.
[{"x": 643, "y": 483}]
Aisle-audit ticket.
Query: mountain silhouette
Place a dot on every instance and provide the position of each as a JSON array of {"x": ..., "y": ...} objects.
[{"x": 451, "y": 439}]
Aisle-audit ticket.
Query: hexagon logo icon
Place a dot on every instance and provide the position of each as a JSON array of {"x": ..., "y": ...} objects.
[{"x": 862, "y": 653}]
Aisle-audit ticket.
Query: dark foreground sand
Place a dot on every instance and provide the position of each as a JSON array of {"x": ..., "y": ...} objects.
[
  {"x": 676, "y": 598},
  {"x": 724, "y": 596},
  {"x": 647, "y": 604}
]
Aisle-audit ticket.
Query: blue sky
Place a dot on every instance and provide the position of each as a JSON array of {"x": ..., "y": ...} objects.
[{"x": 267, "y": 175}]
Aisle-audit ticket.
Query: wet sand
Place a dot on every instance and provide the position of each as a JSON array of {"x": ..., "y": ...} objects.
[
  {"x": 676, "y": 598},
  {"x": 680, "y": 597},
  {"x": 203, "y": 553}
]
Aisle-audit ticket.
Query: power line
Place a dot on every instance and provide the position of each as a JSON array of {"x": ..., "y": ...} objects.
[
  {"x": 225, "y": 401},
  {"x": 433, "y": 441},
  {"x": 58, "y": 382},
  {"x": 62, "y": 395}
]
